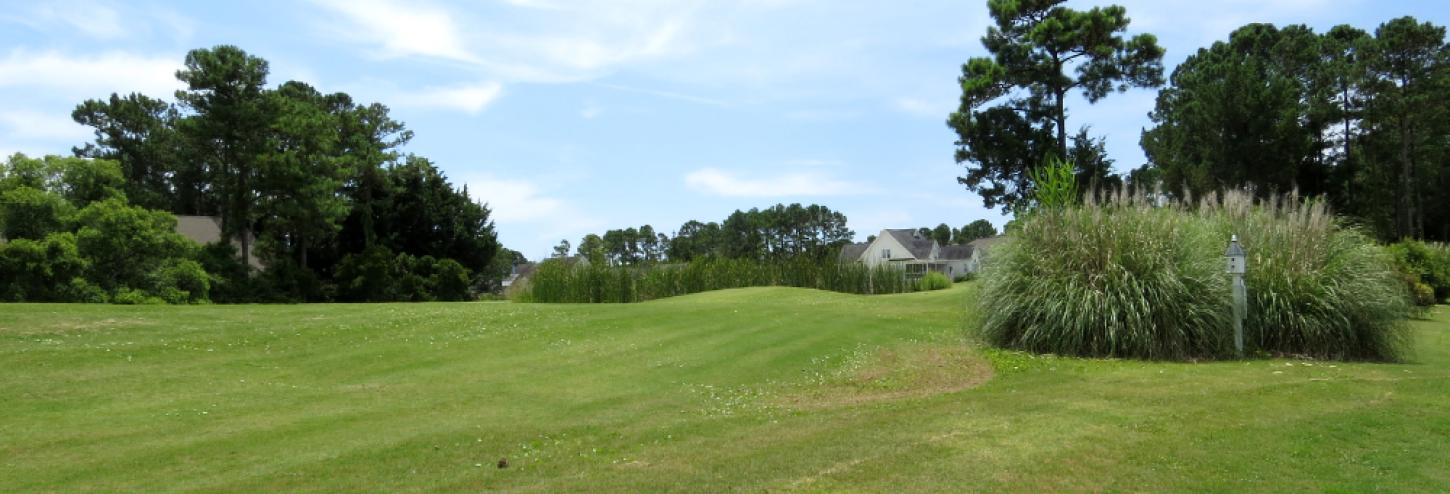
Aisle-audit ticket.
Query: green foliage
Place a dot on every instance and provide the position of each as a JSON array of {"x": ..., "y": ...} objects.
[
  {"x": 450, "y": 282},
  {"x": 974, "y": 230},
  {"x": 1425, "y": 265},
  {"x": 49, "y": 270},
  {"x": 1348, "y": 115},
  {"x": 557, "y": 281},
  {"x": 28, "y": 213},
  {"x": 1013, "y": 111},
  {"x": 378, "y": 275},
  {"x": 934, "y": 281},
  {"x": 779, "y": 232},
  {"x": 1054, "y": 185},
  {"x": 309, "y": 177},
  {"x": 1122, "y": 277}
]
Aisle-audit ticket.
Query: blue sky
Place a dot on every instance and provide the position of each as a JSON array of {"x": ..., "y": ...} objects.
[{"x": 577, "y": 117}]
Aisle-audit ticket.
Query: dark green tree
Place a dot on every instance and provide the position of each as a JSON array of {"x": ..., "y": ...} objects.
[
  {"x": 1237, "y": 114},
  {"x": 139, "y": 132},
  {"x": 1041, "y": 52},
  {"x": 229, "y": 129},
  {"x": 1407, "y": 64},
  {"x": 942, "y": 234}
]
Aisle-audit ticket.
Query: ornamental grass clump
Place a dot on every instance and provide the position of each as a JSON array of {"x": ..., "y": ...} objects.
[
  {"x": 1317, "y": 289},
  {"x": 1114, "y": 278},
  {"x": 1135, "y": 277}
]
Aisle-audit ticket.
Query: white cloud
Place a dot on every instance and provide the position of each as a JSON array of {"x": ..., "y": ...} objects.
[
  {"x": 91, "y": 76},
  {"x": 88, "y": 17},
  {"x": 471, "y": 98},
  {"x": 403, "y": 29},
  {"x": 515, "y": 201},
  {"x": 525, "y": 40},
  {"x": 28, "y": 125},
  {"x": 712, "y": 181}
]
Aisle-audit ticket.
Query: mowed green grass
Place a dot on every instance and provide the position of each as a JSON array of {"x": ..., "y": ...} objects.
[{"x": 755, "y": 390}]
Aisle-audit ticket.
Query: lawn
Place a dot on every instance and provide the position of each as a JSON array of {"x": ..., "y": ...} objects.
[{"x": 762, "y": 389}]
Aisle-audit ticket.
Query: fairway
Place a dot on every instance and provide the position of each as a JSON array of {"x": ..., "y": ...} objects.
[{"x": 750, "y": 390}]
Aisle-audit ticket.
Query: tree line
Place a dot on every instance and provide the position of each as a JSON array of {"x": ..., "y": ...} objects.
[
  {"x": 775, "y": 233},
  {"x": 312, "y": 184},
  {"x": 1354, "y": 117}
]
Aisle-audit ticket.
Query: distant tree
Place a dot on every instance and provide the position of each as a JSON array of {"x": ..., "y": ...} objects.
[
  {"x": 300, "y": 173},
  {"x": 694, "y": 240},
  {"x": 1408, "y": 64},
  {"x": 975, "y": 230},
  {"x": 561, "y": 250},
  {"x": 139, "y": 132},
  {"x": 942, "y": 234},
  {"x": 591, "y": 247},
  {"x": 1235, "y": 114},
  {"x": 226, "y": 92},
  {"x": 870, "y": 238},
  {"x": 1033, "y": 45}
]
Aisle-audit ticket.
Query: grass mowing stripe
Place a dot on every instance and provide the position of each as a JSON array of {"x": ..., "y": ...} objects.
[{"x": 632, "y": 398}]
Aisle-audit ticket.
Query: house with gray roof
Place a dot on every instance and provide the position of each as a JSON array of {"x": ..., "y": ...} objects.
[{"x": 916, "y": 254}]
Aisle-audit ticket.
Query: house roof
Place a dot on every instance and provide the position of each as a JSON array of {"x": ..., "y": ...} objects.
[
  {"x": 955, "y": 253},
  {"x": 852, "y": 252},
  {"x": 920, "y": 248}
]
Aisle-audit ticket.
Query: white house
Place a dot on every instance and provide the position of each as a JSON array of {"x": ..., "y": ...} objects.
[{"x": 917, "y": 254}]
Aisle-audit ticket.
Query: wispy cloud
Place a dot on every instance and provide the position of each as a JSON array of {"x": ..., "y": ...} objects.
[
  {"x": 90, "y": 76},
  {"x": 515, "y": 200},
  {"x": 526, "y": 41},
  {"x": 470, "y": 98},
  {"x": 720, "y": 183},
  {"x": 34, "y": 125},
  {"x": 87, "y": 17},
  {"x": 403, "y": 29}
]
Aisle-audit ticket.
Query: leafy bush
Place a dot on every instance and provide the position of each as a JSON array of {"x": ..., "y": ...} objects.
[
  {"x": 1123, "y": 276},
  {"x": 377, "y": 275},
  {"x": 965, "y": 277},
  {"x": 934, "y": 281},
  {"x": 1424, "y": 264}
]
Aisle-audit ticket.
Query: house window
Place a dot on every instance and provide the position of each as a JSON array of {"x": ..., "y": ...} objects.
[
  {"x": 949, "y": 270},
  {"x": 885, "y": 253}
]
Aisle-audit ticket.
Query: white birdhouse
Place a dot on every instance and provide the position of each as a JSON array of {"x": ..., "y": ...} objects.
[{"x": 1237, "y": 259}]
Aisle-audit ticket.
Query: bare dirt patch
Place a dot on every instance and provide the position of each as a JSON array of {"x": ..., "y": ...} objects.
[{"x": 892, "y": 374}]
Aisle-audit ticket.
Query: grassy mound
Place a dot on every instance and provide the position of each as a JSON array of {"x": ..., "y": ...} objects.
[
  {"x": 1124, "y": 277},
  {"x": 558, "y": 282}
]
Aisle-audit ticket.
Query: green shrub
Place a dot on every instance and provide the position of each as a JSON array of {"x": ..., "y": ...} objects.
[
  {"x": 934, "y": 281},
  {"x": 450, "y": 281},
  {"x": 965, "y": 277},
  {"x": 1425, "y": 263},
  {"x": 1124, "y": 276}
]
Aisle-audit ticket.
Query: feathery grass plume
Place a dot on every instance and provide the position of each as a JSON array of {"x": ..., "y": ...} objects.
[
  {"x": 1136, "y": 276},
  {"x": 1316, "y": 287},
  {"x": 1117, "y": 277}
]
